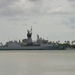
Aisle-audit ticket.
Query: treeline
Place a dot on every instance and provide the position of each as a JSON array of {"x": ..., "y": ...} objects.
[{"x": 66, "y": 43}]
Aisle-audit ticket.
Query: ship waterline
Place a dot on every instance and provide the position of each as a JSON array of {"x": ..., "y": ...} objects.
[{"x": 32, "y": 48}]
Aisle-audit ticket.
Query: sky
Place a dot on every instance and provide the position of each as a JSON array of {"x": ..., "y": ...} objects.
[{"x": 51, "y": 19}]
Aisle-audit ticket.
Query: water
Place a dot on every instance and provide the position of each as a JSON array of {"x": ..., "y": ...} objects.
[{"x": 54, "y": 62}]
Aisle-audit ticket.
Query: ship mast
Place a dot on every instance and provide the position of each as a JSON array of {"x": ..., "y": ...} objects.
[{"x": 29, "y": 36}]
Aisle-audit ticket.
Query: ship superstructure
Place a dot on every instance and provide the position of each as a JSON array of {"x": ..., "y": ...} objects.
[
  {"x": 28, "y": 41},
  {"x": 28, "y": 44}
]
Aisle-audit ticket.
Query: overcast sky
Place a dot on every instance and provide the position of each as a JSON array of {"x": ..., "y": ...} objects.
[{"x": 51, "y": 19}]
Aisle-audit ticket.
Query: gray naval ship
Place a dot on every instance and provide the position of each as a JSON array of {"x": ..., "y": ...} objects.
[{"x": 28, "y": 44}]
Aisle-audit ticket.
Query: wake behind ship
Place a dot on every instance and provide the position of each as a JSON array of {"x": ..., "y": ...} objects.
[{"x": 28, "y": 44}]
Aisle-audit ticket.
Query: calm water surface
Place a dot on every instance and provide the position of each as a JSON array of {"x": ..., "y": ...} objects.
[{"x": 37, "y": 62}]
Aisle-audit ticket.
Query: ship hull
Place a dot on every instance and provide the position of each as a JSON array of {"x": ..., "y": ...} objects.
[{"x": 33, "y": 48}]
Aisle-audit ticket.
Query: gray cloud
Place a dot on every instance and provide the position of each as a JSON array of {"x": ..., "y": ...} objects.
[
  {"x": 30, "y": 7},
  {"x": 34, "y": 0},
  {"x": 6, "y": 3},
  {"x": 70, "y": 22},
  {"x": 5, "y": 7},
  {"x": 19, "y": 7}
]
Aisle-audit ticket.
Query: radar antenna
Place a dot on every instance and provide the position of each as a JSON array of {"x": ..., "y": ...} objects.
[{"x": 31, "y": 29}]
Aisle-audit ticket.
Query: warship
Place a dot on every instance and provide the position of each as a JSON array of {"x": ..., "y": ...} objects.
[{"x": 28, "y": 44}]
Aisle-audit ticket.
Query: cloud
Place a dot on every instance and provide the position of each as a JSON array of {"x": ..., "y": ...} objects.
[
  {"x": 34, "y": 0},
  {"x": 5, "y": 7},
  {"x": 25, "y": 9},
  {"x": 30, "y": 7},
  {"x": 69, "y": 21},
  {"x": 18, "y": 7},
  {"x": 6, "y": 3}
]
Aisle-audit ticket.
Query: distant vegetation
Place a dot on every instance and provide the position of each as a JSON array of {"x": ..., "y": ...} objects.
[
  {"x": 70, "y": 44},
  {"x": 66, "y": 43}
]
